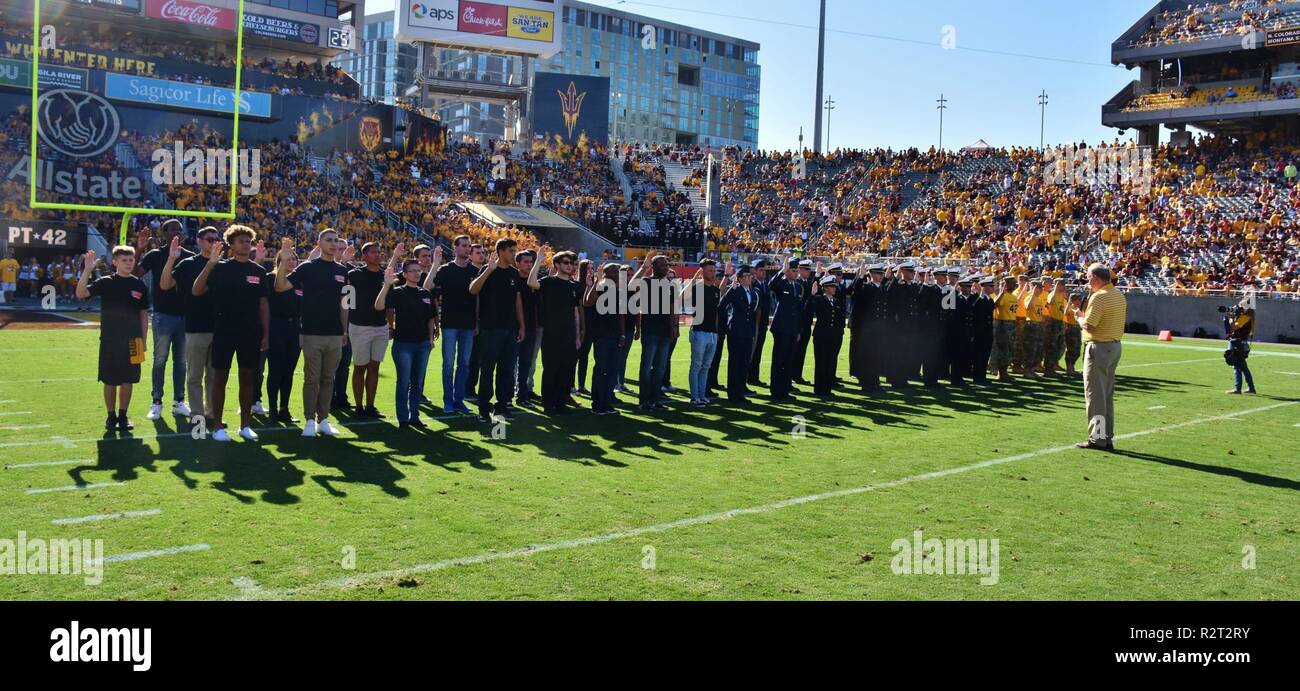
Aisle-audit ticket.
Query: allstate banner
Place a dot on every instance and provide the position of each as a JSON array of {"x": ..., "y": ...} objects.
[
  {"x": 169, "y": 94},
  {"x": 570, "y": 105}
]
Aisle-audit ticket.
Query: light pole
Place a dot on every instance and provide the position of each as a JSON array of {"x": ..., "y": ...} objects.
[
  {"x": 943, "y": 105},
  {"x": 830, "y": 105},
  {"x": 821, "y": 72},
  {"x": 1042, "y": 122},
  {"x": 801, "y": 140}
]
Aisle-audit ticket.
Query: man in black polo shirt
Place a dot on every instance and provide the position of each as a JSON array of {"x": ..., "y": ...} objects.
[
  {"x": 322, "y": 323},
  {"x": 561, "y": 335},
  {"x": 605, "y": 333},
  {"x": 501, "y": 329},
  {"x": 459, "y": 312},
  {"x": 367, "y": 329},
  {"x": 524, "y": 262},
  {"x": 123, "y": 326},
  {"x": 199, "y": 317},
  {"x": 168, "y": 315},
  {"x": 240, "y": 288},
  {"x": 658, "y": 330}
]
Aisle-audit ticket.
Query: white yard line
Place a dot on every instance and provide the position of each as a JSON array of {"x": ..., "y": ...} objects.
[
  {"x": 74, "y": 488},
  {"x": 106, "y": 517},
  {"x": 16, "y": 412},
  {"x": 20, "y": 428},
  {"x": 485, "y": 557},
  {"x": 132, "y": 556},
  {"x": 43, "y": 464},
  {"x": 1207, "y": 349},
  {"x": 1174, "y": 362},
  {"x": 1156, "y": 407}
]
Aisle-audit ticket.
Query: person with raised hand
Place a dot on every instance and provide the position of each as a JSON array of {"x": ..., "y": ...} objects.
[
  {"x": 240, "y": 294},
  {"x": 124, "y": 326},
  {"x": 199, "y": 319},
  {"x": 322, "y": 323},
  {"x": 168, "y": 315},
  {"x": 412, "y": 316}
]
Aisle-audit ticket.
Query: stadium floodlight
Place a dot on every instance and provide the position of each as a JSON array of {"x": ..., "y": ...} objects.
[{"x": 129, "y": 211}]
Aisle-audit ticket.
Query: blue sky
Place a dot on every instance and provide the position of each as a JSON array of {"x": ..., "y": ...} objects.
[{"x": 885, "y": 89}]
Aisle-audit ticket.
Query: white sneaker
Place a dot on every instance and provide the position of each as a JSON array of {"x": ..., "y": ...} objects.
[
  {"x": 326, "y": 430},
  {"x": 309, "y": 429},
  {"x": 221, "y": 435},
  {"x": 181, "y": 409},
  {"x": 258, "y": 408},
  {"x": 248, "y": 434},
  {"x": 155, "y": 412}
]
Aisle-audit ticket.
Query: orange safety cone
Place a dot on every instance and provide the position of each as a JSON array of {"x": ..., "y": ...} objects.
[{"x": 1166, "y": 335}]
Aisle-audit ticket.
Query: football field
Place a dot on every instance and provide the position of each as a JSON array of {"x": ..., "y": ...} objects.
[{"x": 804, "y": 501}]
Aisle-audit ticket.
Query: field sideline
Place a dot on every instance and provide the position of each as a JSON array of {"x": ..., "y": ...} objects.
[{"x": 722, "y": 503}]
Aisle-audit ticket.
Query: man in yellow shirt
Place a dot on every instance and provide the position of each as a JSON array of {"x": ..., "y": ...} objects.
[
  {"x": 1004, "y": 326},
  {"x": 8, "y": 277},
  {"x": 1103, "y": 327},
  {"x": 1054, "y": 326},
  {"x": 1032, "y": 302},
  {"x": 1018, "y": 358}
]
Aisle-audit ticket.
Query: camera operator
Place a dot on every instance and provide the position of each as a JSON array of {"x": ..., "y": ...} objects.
[{"x": 1239, "y": 323}]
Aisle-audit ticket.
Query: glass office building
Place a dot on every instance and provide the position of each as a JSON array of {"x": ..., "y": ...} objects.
[
  {"x": 384, "y": 68},
  {"x": 687, "y": 86},
  {"x": 692, "y": 87}
]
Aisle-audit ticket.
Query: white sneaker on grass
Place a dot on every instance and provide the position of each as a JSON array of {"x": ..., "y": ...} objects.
[
  {"x": 326, "y": 430},
  {"x": 309, "y": 429},
  {"x": 221, "y": 435},
  {"x": 180, "y": 409},
  {"x": 155, "y": 412},
  {"x": 258, "y": 408},
  {"x": 248, "y": 434}
]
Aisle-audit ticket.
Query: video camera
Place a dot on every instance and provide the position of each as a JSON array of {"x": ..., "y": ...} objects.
[{"x": 1234, "y": 310}]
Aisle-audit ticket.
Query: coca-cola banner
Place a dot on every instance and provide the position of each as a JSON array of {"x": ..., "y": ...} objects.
[
  {"x": 193, "y": 13},
  {"x": 483, "y": 18}
]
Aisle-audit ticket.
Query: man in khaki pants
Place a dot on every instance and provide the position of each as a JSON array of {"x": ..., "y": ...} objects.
[
  {"x": 324, "y": 316},
  {"x": 199, "y": 317},
  {"x": 1103, "y": 327}
]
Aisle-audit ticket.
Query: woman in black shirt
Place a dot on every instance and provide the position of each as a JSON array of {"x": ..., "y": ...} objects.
[
  {"x": 283, "y": 348},
  {"x": 413, "y": 321}
]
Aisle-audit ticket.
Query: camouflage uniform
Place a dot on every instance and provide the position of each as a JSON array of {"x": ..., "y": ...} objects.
[
  {"x": 1073, "y": 343},
  {"x": 1004, "y": 343},
  {"x": 1053, "y": 342},
  {"x": 1033, "y": 343}
]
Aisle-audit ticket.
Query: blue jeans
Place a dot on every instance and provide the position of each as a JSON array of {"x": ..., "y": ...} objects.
[
  {"x": 527, "y": 362},
  {"x": 410, "y": 358},
  {"x": 602, "y": 379},
  {"x": 703, "y": 345},
  {"x": 168, "y": 334},
  {"x": 456, "y": 346},
  {"x": 654, "y": 360}
]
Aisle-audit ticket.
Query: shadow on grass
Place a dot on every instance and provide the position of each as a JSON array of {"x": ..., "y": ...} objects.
[{"x": 1225, "y": 471}]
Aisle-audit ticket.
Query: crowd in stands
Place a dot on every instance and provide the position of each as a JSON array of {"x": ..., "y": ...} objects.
[
  {"x": 1206, "y": 20},
  {"x": 79, "y": 36}
]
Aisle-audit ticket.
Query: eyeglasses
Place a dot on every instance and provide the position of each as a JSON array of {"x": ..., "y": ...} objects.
[{"x": 208, "y": 238}]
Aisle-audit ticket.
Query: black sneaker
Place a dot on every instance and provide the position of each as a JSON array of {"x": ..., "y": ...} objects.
[
  {"x": 286, "y": 417},
  {"x": 418, "y": 424},
  {"x": 485, "y": 418},
  {"x": 123, "y": 424},
  {"x": 110, "y": 424},
  {"x": 403, "y": 424},
  {"x": 373, "y": 412}
]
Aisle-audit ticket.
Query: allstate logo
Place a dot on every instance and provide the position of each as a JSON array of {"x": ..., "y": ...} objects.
[{"x": 77, "y": 123}]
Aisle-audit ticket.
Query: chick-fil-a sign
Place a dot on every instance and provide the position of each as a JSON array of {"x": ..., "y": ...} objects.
[{"x": 482, "y": 18}]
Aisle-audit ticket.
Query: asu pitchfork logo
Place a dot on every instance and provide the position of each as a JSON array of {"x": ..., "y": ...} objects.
[{"x": 571, "y": 105}]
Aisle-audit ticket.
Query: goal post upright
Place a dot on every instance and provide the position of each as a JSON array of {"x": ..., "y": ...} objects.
[{"x": 128, "y": 212}]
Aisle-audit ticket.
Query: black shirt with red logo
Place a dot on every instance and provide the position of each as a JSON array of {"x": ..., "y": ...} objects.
[
  {"x": 121, "y": 299},
  {"x": 321, "y": 283},
  {"x": 237, "y": 290},
  {"x": 413, "y": 308}
]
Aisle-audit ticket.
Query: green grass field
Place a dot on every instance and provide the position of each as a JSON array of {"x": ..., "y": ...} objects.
[{"x": 724, "y": 503}]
